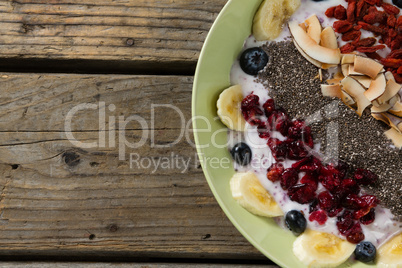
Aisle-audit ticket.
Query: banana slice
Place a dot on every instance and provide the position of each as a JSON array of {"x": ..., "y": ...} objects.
[
  {"x": 229, "y": 108},
  {"x": 317, "y": 249},
  {"x": 250, "y": 194},
  {"x": 390, "y": 254},
  {"x": 271, "y": 16}
]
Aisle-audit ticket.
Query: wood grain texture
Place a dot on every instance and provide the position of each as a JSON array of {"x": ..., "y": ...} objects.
[
  {"x": 125, "y": 265},
  {"x": 145, "y": 32},
  {"x": 58, "y": 199}
]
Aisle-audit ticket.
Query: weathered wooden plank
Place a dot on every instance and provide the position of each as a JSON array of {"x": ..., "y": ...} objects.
[
  {"x": 139, "y": 31},
  {"x": 125, "y": 265},
  {"x": 57, "y": 198}
]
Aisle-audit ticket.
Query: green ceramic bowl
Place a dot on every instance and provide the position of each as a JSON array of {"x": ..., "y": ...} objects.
[{"x": 222, "y": 46}]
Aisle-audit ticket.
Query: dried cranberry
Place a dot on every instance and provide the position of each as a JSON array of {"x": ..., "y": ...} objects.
[
  {"x": 307, "y": 137},
  {"x": 275, "y": 171},
  {"x": 368, "y": 218},
  {"x": 345, "y": 222},
  {"x": 295, "y": 130},
  {"x": 300, "y": 163},
  {"x": 278, "y": 148},
  {"x": 352, "y": 201},
  {"x": 269, "y": 107},
  {"x": 318, "y": 216},
  {"x": 334, "y": 211},
  {"x": 329, "y": 177},
  {"x": 313, "y": 166},
  {"x": 302, "y": 193},
  {"x": 310, "y": 179},
  {"x": 365, "y": 177},
  {"x": 250, "y": 108},
  {"x": 263, "y": 131},
  {"x": 355, "y": 234},
  {"x": 289, "y": 178},
  {"x": 370, "y": 200},
  {"x": 326, "y": 200},
  {"x": 357, "y": 214},
  {"x": 313, "y": 206},
  {"x": 348, "y": 186},
  {"x": 279, "y": 121},
  {"x": 297, "y": 150},
  {"x": 343, "y": 169}
]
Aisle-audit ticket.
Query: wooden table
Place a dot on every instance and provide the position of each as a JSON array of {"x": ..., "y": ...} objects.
[{"x": 86, "y": 71}]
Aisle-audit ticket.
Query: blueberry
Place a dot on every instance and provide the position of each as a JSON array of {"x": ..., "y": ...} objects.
[
  {"x": 296, "y": 222},
  {"x": 252, "y": 60},
  {"x": 365, "y": 251},
  {"x": 397, "y": 3},
  {"x": 241, "y": 153}
]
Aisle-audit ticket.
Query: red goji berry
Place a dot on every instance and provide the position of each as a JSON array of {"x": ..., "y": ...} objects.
[
  {"x": 340, "y": 12},
  {"x": 371, "y": 28},
  {"x": 371, "y": 2},
  {"x": 350, "y": 11},
  {"x": 398, "y": 77},
  {"x": 399, "y": 21},
  {"x": 396, "y": 54},
  {"x": 378, "y": 3},
  {"x": 351, "y": 35},
  {"x": 348, "y": 48},
  {"x": 396, "y": 43},
  {"x": 370, "y": 18},
  {"x": 392, "y": 33},
  {"x": 330, "y": 12},
  {"x": 391, "y": 21},
  {"x": 361, "y": 8},
  {"x": 357, "y": 27},
  {"x": 365, "y": 42},
  {"x": 342, "y": 26},
  {"x": 393, "y": 63},
  {"x": 399, "y": 71},
  {"x": 370, "y": 49},
  {"x": 374, "y": 56},
  {"x": 390, "y": 9}
]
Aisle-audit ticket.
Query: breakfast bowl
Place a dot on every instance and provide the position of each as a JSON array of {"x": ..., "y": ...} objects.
[{"x": 221, "y": 48}]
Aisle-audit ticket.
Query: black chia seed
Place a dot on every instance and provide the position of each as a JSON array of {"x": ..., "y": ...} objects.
[{"x": 360, "y": 141}]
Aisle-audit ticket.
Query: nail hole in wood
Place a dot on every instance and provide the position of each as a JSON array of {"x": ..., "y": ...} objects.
[
  {"x": 91, "y": 237},
  {"x": 206, "y": 236},
  {"x": 130, "y": 42},
  {"x": 94, "y": 164},
  {"x": 15, "y": 166},
  {"x": 113, "y": 228},
  {"x": 71, "y": 159}
]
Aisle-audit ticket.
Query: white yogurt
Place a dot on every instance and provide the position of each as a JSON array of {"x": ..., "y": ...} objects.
[{"x": 383, "y": 227}]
